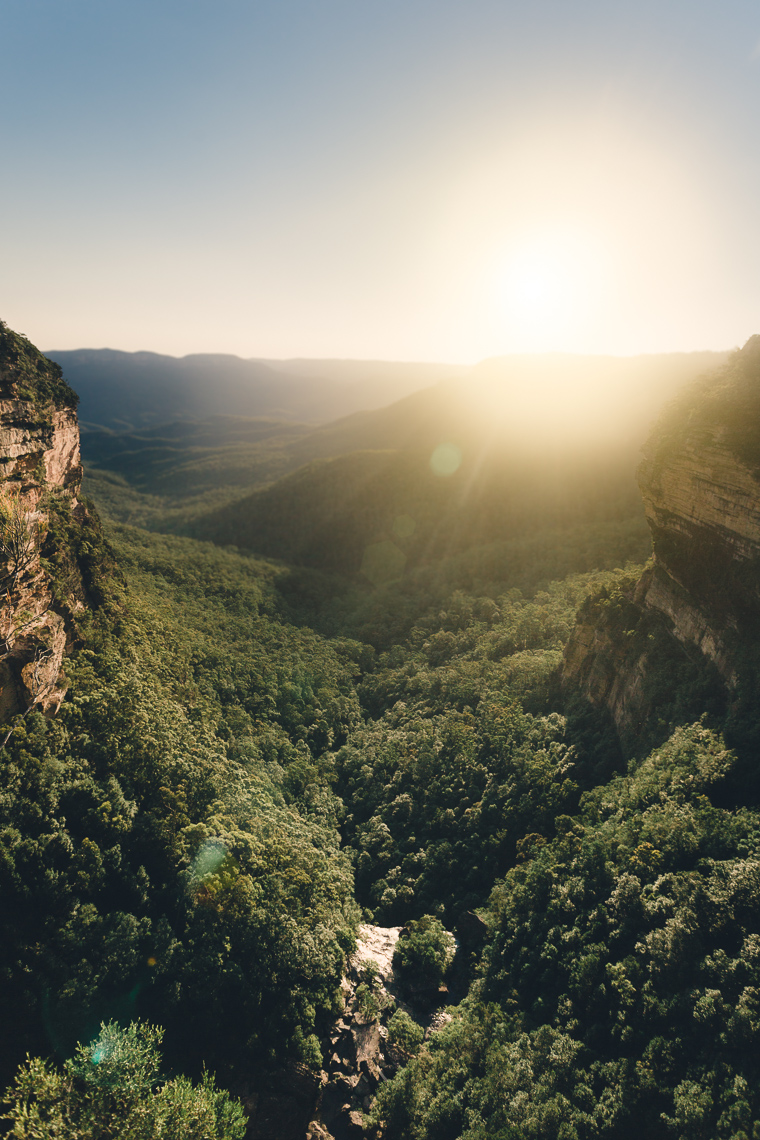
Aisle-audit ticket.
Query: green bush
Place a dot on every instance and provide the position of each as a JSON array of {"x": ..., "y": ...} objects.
[
  {"x": 111, "y": 1088},
  {"x": 424, "y": 952},
  {"x": 404, "y": 1032}
]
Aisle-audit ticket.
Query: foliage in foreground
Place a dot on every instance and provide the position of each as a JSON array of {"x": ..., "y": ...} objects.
[
  {"x": 169, "y": 844},
  {"x": 112, "y": 1088},
  {"x": 620, "y": 993}
]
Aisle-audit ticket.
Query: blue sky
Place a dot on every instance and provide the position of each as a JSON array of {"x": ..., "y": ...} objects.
[{"x": 439, "y": 181}]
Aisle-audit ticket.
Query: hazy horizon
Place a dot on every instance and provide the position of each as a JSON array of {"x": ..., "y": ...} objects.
[
  {"x": 408, "y": 182},
  {"x": 380, "y": 361}
]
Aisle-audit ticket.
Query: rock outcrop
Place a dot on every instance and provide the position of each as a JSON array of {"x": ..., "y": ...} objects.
[
  {"x": 45, "y": 531},
  {"x": 697, "y": 605},
  {"x": 359, "y": 1053}
]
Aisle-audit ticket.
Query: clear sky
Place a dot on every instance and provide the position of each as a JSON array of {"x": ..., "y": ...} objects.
[{"x": 397, "y": 179}]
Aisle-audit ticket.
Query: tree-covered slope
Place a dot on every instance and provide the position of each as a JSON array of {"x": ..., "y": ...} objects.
[
  {"x": 379, "y": 513},
  {"x": 226, "y": 792},
  {"x": 169, "y": 843},
  {"x": 619, "y": 989}
]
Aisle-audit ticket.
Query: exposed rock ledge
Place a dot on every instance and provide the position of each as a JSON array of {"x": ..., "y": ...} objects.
[
  {"x": 358, "y": 1056},
  {"x": 361, "y": 1055},
  {"x": 42, "y": 591},
  {"x": 700, "y": 482}
]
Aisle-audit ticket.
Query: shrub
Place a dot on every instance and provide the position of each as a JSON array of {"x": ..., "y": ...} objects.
[
  {"x": 111, "y": 1088},
  {"x": 404, "y": 1032},
  {"x": 424, "y": 952}
]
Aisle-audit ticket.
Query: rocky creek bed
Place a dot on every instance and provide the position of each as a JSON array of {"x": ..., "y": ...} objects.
[{"x": 359, "y": 1053}]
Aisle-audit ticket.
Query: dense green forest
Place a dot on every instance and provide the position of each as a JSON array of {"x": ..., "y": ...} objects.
[{"x": 267, "y": 740}]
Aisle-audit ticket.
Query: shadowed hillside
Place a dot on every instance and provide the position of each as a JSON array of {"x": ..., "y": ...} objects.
[
  {"x": 379, "y": 513},
  {"x": 532, "y": 443}
]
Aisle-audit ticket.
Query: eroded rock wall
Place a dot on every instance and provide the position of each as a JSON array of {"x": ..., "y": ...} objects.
[
  {"x": 42, "y": 590},
  {"x": 700, "y": 482}
]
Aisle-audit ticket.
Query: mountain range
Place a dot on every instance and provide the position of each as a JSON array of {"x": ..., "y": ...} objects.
[{"x": 127, "y": 390}]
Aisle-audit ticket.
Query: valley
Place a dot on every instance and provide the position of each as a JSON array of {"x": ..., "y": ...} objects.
[{"x": 319, "y": 686}]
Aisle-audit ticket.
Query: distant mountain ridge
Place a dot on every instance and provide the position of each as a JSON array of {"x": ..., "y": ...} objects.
[{"x": 128, "y": 390}]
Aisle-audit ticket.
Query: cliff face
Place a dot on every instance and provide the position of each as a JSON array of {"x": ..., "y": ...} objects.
[
  {"x": 42, "y": 522},
  {"x": 697, "y": 606}
]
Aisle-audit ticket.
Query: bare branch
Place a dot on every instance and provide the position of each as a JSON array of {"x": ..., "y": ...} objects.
[{"x": 18, "y": 536}]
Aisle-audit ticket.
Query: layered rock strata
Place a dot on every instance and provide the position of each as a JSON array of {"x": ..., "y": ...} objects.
[
  {"x": 700, "y": 596},
  {"x": 42, "y": 588}
]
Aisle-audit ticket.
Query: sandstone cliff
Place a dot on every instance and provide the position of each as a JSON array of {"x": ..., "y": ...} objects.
[
  {"x": 44, "y": 529},
  {"x": 696, "y": 609}
]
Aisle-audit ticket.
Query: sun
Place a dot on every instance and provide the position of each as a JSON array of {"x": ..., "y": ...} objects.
[
  {"x": 537, "y": 282},
  {"x": 546, "y": 286}
]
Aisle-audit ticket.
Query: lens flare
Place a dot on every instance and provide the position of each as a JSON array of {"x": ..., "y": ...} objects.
[
  {"x": 404, "y": 526},
  {"x": 446, "y": 459},
  {"x": 209, "y": 859}
]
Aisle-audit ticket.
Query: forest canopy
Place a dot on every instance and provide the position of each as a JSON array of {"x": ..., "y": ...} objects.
[{"x": 255, "y": 756}]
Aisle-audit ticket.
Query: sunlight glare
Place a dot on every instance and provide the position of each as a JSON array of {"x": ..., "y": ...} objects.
[{"x": 545, "y": 285}]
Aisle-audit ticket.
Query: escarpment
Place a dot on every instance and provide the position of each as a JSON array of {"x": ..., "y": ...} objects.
[
  {"x": 45, "y": 531},
  {"x": 691, "y": 622}
]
